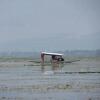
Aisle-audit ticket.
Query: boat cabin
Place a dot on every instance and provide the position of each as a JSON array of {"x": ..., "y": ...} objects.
[{"x": 55, "y": 57}]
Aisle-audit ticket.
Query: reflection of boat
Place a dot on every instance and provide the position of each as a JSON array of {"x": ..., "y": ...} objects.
[
  {"x": 54, "y": 72},
  {"x": 49, "y": 72}
]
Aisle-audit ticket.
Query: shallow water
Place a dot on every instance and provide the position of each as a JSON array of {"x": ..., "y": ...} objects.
[{"x": 29, "y": 82}]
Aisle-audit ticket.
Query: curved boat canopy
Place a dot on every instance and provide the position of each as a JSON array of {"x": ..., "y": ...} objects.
[{"x": 56, "y": 54}]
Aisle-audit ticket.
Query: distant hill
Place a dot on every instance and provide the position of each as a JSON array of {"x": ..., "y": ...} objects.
[
  {"x": 37, "y": 54},
  {"x": 20, "y": 54},
  {"x": 82, "y": 53}
]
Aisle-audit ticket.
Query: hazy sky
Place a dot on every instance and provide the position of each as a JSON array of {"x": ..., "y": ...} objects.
[{"x": 35, "y": 25}]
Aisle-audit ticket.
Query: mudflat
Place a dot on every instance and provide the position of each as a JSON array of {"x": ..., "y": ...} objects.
[{"x": 21, "y": 79}]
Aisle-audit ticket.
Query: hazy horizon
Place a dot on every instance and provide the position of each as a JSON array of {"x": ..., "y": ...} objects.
[{"x": 49, "y": 25}]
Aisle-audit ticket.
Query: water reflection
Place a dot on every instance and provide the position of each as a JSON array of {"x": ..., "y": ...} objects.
[{"x": 54, "y": 66}]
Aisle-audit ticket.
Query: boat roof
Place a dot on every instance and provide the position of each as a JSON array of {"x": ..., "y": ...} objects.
[{"x": 49, "y": 53}]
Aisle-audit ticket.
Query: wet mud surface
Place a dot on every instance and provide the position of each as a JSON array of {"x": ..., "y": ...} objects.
[{"x": 73, "y": 82}]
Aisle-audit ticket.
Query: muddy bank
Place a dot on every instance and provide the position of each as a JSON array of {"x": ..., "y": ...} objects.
[{"x": 20, "y": 80}]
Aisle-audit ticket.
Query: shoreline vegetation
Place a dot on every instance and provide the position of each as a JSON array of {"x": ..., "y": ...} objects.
[{"x": 35, "y": 54}]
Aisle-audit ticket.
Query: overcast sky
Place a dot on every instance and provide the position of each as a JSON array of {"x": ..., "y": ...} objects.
[{"x": 36, "y": 25}]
